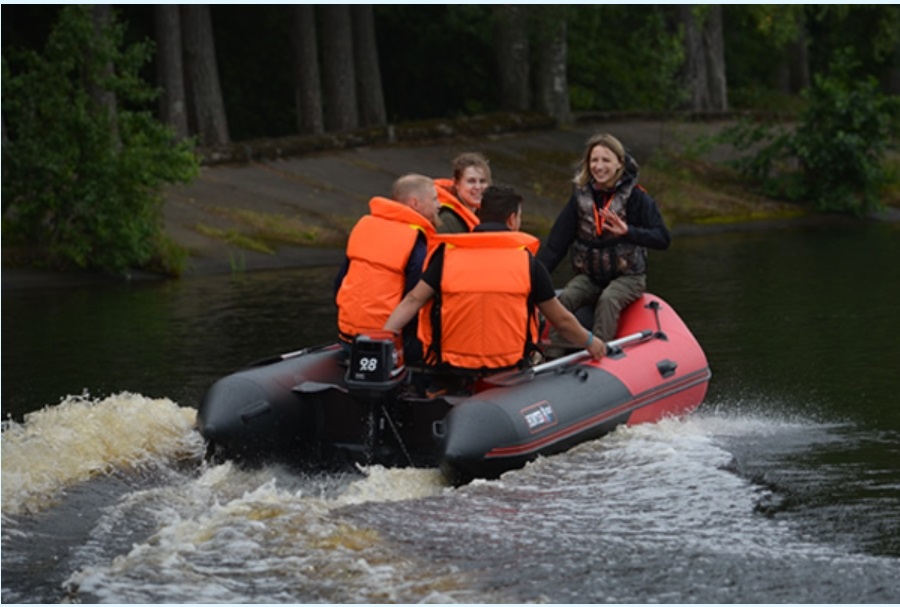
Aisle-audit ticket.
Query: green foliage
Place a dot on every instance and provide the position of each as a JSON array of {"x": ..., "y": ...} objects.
[
  {"x": 778, "y": 23},
  {"x": 82, "y": 182},
  {"x": 872, "y": 30},
  {"x": 436, "y": 60},
  {"x": 623, "y": 57},
  {"x": 757, "y": 43},
  {"x": 835, "y": 158}
]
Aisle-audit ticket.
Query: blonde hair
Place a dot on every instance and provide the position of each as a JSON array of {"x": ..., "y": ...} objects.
[
  {"x": 583, "y": 174},
  {"x": 469, "y": 159},
  {"x": 409, "y": 185}
]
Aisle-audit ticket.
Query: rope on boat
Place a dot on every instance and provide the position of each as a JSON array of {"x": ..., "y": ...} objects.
[{"x": 396, "y": 434}]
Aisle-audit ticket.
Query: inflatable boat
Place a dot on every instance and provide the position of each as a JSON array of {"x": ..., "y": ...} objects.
[{"x": 323, "y": 404}]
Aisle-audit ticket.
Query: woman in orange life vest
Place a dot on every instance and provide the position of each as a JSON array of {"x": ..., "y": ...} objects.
[
  {"x": 610, "y": 221},
  {"x": 482, "y": 320},
  {"x": 461, "y": 196},
  {"x": 386, "y": 252}
]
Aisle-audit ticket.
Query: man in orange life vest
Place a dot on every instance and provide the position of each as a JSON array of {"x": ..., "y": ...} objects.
[
  {"x": 483, "y": 288},
  {"x": 386, "y": 251},
  {"x": 460, "y": 197}
]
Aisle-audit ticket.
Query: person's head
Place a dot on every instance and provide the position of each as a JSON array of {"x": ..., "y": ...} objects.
[
  {"x": 418, "y": 193},
  {"x": 501, "y": 204},
  {"x": 603, "y": 161},
  {"x": 471, "y": 175}
]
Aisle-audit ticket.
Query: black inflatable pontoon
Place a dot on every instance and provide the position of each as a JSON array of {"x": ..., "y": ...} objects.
[{"x": 316, "y": 403}]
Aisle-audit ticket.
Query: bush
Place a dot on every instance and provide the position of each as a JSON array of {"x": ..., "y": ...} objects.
[
  {"x": 82, "y": 179},
  {"x": 835, "y": 157}
]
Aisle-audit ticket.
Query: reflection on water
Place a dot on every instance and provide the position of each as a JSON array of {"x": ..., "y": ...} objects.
[
  {"x": 783, "y": 487},
  {"x": 807, "y": 318},
  {"x": 169, "y": 339}
]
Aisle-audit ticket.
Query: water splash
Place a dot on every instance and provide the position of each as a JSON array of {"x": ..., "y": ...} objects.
[
  {"x": 239, "y": 535},
  {"x": 81, "y": 437},
  {"x": 649, "y": 513}
]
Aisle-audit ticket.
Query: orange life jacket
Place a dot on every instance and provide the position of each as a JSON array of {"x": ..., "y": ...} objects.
[
  {"x": 481, "y": 318},
  {"x": 449, "y": 200},
  {"x": 379, "y": 248}
]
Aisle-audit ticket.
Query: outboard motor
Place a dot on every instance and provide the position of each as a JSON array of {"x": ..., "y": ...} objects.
[
  {"x": 375, "y": 371},
  {"x": 376, "y": 363}
]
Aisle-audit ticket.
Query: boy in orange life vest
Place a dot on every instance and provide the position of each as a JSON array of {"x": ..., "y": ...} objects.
[
  {"x": 461, "y": 196},
  {"x": 386, "y": 251},
  {"x": 486, "y": 285}
]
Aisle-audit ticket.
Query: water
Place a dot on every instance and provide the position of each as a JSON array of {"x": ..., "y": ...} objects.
[{"x": 783, "y": 487}]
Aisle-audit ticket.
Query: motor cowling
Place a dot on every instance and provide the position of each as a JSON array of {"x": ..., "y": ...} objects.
[{"x": 376, "y": 362}]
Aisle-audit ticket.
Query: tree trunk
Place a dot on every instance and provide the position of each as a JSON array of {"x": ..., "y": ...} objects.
[
  {"x": 169, "y": 68},
  {"x": 694, "y": 60},
  {"x": 792, "y": 73},
  {"x": 368, "y": 74},
  {"x": 511, "y": 47},
  {"x": 798, "y": 53},
  {"x": 704, "y": 50},
  {"x": 307, "y": 85},
  {"x": 203, "y": 74},
  {"x": 551, "y": 81},
  {"x": 103, "y": 98},
  {"x": 714, "y": 45},
  {"x": 893, "y": 78},
  {"x": 341, "y": 113}
]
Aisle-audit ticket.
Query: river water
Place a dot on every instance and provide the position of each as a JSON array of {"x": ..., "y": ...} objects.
[{"x": 784, "y": 486}]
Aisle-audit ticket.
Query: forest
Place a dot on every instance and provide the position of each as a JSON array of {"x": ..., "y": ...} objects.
[
  {"x": 238, "y": 72},
  {"x": 105, "y": 104}
]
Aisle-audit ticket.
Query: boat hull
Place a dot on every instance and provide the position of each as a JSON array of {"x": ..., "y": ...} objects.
[{"x": 302, "y": 408}]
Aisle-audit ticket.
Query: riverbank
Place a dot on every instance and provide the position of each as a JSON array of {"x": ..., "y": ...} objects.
[
  {"x": 257, "y": 206},
  {"x": 270, "y": 212}
]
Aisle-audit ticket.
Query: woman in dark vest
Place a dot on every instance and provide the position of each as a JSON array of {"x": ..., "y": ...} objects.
[{"x": 609, "y": 223}]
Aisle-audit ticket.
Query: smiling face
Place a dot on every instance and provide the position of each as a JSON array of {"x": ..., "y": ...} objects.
[
  {"x": 605, "y": 166},
  {"x": 471, "y": 185}
]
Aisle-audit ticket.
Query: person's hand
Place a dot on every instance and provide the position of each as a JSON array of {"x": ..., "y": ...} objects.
[
  {"x": 596, "y": 348},
  {"x": 612, "y": 222}
]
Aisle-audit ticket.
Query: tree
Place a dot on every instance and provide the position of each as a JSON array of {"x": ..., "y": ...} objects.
[
  {"x": 704, "y": 69},
  {"x": 341, "y": 111},
  {"x": 511, "y": 48},
  {"x": 793, "y": 72},
  {"x": 634, "y": 65},
  {"x": 894, "y": 73},
  {"x": 307, "y": 85},
  {"x": 551, "y": 82},
  {"x": 834, "y": 158},
  {"x": 169, "y": 68},
  {"x": 98, "y": 82},
  {"x": 783, "y": 29},
  {"x": 81, "y": 186},
  {"x": 203, "y": 75},
  {"x": 368, "y": 74}
]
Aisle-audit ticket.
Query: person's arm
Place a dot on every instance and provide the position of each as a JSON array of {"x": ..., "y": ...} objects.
[
  {"x": 646, "y": 226},
  {"x": 569, "y": 327},
  {"x": 561, "y": 236},
  {"x": 339, "y": 279},
  {"x": 416, "y": 264},
  {"x": 409, "y": 306}
]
